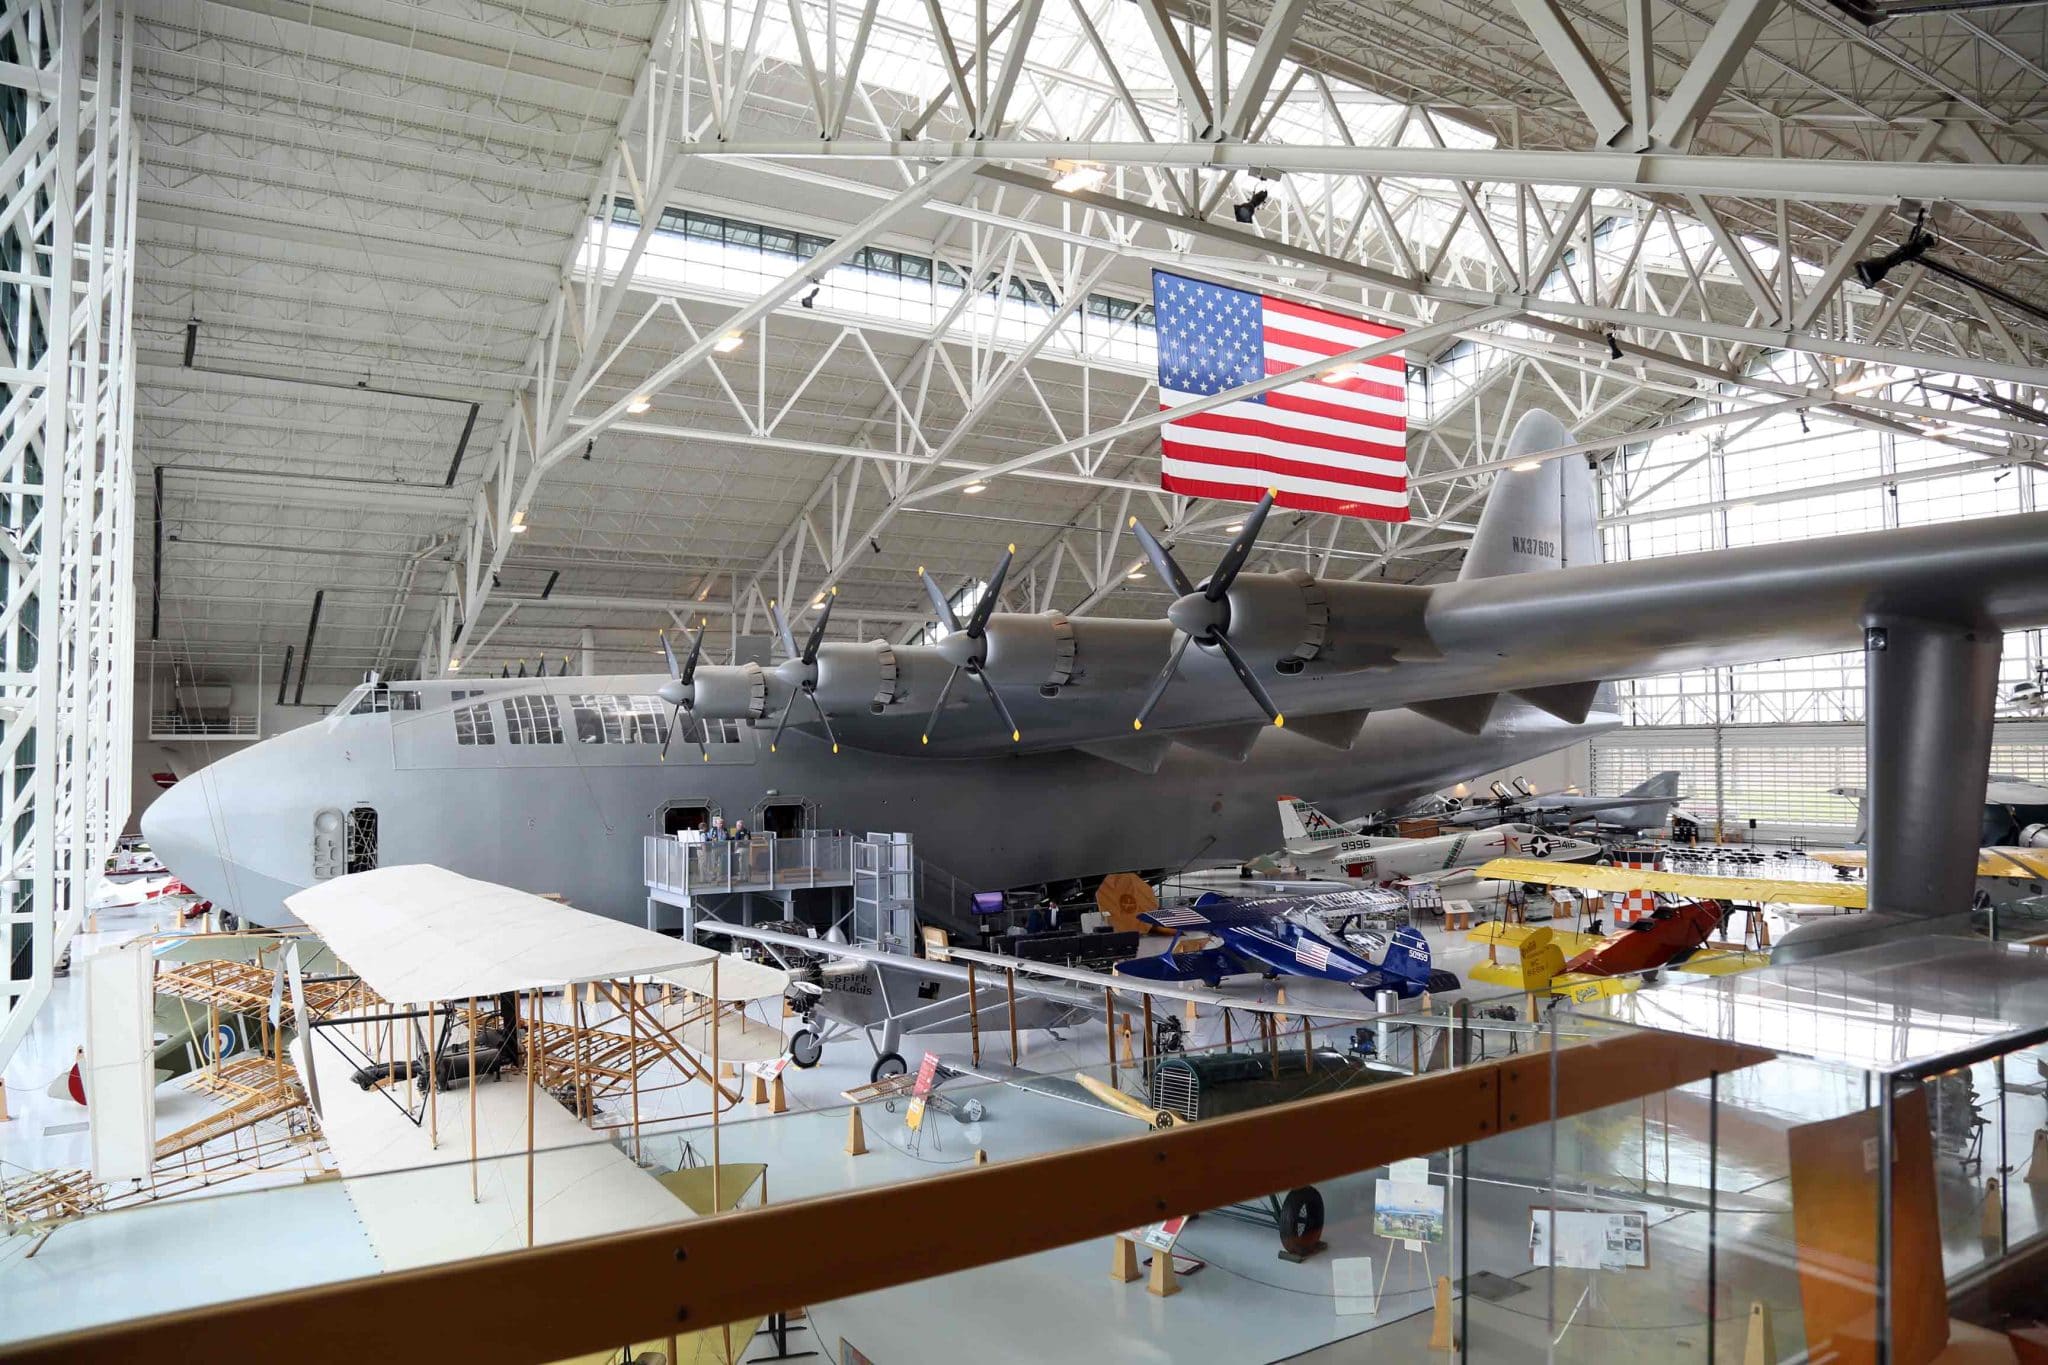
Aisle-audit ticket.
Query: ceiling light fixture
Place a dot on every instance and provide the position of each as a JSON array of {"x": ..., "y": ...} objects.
[
  {"x": 1071, "y": 177},
  {"x": 975, "y": 488},
  {"x": 1342, "y": 373},
  {"x": 728, "y": 343},
  {"x": 1135, "y": 573},
  {"x": 455, "y": 665},
  {"x": 1246, "y": 210},
  {"x": 1871, "y": 270},
  {"x": 1524, "y": 466},
  {"x": 639, "y": 403},
  {"x": 519, "y": 523}
]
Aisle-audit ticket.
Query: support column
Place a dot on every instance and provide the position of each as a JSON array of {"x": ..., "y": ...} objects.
[
  {"x": 1931, "y": 691},
  {"x": 1930, "y": 694}
]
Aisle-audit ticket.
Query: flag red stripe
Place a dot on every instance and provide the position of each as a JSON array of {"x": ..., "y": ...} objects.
[
  {"x": 1280, "y": 431},
  {"x": 1372, "y": 388},
  {"x": 1301, "y": 341},
  {"x": 1324, "y": 315},
  {"x": 1283, "y": 401},
  {"x": 1299, "y": 502},
  {"x": 1307, "y": 469}
]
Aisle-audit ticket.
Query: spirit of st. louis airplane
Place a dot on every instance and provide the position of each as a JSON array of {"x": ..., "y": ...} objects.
[{"x": 1079, "y": 745}]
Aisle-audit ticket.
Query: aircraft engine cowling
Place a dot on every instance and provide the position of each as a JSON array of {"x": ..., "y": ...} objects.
[
  {"x": 1276, "y": 619},
  {"x": 2034, "y": 836},
  {"x": 1029, "y": 651},
  {"x": 861, "y": 675},
  {"x": 1111, "y": 653},
  {"x": 730, "y": 692}
]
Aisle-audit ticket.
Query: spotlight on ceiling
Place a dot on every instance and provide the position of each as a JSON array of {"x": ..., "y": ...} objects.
[
  {"x": 1247, "y": 209},
  {"x": 519, "y": 523},
  {"x": 728, "y": 343},
  {"x": 975, "y": 488},
  {"x": 1524, "y": 466},
  {"x": 639, "y": 404},
  {"x": 810, "y": 298},
  {"x": 1071, "y": 177},
  {"x": 1870, "y": 271},
  {"x": 1613, "y": 347}
]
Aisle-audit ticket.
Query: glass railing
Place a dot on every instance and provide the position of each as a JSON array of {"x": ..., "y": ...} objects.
[
  {"x": 1693, "y": 1194},
  {"x": 756, "y": 863}
]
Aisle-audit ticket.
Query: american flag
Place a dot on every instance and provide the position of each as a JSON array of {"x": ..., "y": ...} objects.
[
  {"x": 1312, "y": 954},
  {"x": 1334, "y": 444}
]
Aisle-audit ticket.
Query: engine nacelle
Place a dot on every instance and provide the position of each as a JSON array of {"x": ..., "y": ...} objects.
[
  {"x": 1029, "y": 651},
  {"x": 857, "y": 676},
  {"x": 1110, "y": 653},
  {"x": 2034, "y": 836},
  {"x": 1279, "y": 620},
  {"x": 730, "y": 692}
]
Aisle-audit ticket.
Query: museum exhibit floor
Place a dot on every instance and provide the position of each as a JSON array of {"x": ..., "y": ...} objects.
[{"x": 1243, "y": 1303}]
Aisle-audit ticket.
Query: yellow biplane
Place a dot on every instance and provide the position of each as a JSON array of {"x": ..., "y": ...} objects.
[
  {"x": 1996, "y": 864},
  {"x": 1583, "y": 967}
]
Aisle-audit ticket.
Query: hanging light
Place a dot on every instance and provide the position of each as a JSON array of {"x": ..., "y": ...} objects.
[
  {"x": 728, "y": 343},
  {"x": 639, "y": 403},
  {"x": 975, "y": 488},
  {"x": 1071, "y": 177}
]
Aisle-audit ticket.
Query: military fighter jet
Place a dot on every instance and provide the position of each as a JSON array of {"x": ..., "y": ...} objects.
[
  {"x": 1646, "y": 805},
  {"x": 1074, "y": 746}
]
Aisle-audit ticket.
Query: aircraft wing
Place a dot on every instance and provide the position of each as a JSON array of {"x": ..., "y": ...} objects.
[
  {"x": 2016, "y": 864},
  {"x": 1499, "y": 935},
  {"x": 1451, "y": 649},
  {"x": 950, "y": 971},
  {"x": 1722, "y": 962},
  {"x": 1780, "y": 890}
]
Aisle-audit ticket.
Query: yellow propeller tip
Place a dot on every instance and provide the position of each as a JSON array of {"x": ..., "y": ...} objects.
[
  {"x": 1131, "y": 524},
  {"x": 920, "y": 568},
  {"x": 835, "y": 748},
  {"x": 1016, "y": 738},
  {"x": 707, "y": 758},
  {"x": 1137, "y": 725},
  {"x": 1272, "y": 492},
  {"x": 1279, "y": 720},
  {"x": 771, "y": 748},
  {"x": 924, "y": 739},
  {"x": 1013, "y": 548},
  {"x": 835, "y": 590}
]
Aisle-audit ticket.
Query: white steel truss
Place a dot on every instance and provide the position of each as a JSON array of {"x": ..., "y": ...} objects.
[{"x": 66, "y": 624}]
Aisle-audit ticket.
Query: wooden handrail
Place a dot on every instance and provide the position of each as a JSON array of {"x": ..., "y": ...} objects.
[{"x": 553, "y": 1302}]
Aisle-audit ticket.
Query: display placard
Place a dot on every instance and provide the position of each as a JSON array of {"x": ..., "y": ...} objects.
[
  {"x": 1407, "y": 1211},
  {"x": 1589, "y": 1239}
]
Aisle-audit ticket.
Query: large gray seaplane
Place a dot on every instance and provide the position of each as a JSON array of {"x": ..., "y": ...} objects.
[{"x": 1022, "y": 748}]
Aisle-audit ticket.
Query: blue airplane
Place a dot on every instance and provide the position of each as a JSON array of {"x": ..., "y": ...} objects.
[{"x": 1284, "y": 936}]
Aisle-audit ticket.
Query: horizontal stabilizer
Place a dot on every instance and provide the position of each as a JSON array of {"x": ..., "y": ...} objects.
[
  {"x": 1139, "y": 753},
  {"x": 1338, "y": 729},
  {"x": 1569, "y": 702},
  {"x": 1231, "y": 743},
  {"x": 1467, "y": 714}
]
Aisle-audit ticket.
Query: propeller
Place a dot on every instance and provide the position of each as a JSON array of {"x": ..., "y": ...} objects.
[
  {"x": 966, "y": 647},
  {"x": 1203, "y": 616},
  {"x": 807, "y": 683},
  {"x": 676, "y": 691}
]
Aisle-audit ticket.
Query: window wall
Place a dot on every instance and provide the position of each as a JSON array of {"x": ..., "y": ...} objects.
[{"x": 1785, "y": 477}]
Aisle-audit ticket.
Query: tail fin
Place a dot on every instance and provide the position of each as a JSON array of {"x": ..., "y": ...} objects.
[
  {"x": 1305, "y": 828},
  {"x": 1407, "y": 955},
  {"x": 1541, "y": 518},
  {"x": 1664, "y": 784}
]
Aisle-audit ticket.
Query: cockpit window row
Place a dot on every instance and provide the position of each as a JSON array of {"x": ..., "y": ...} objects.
[
  {"x": 378, "y": 699},
  {"x": 531, "y": 720},
  {"x": 598, "y": 718}
]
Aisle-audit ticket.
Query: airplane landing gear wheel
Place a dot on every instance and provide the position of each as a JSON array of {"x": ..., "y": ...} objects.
[
  {"x": 805, "y": 1049},
  {"x": 1164, "y": 1118},
  {"x": 888, "y": 1064},
  {"x": 1301, "y": 1221}
]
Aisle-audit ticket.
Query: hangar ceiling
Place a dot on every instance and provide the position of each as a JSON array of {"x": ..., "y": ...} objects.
[{"x": 388, "y": 345}]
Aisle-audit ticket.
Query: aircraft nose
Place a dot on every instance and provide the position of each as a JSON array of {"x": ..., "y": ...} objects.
[{"x": 181, "y": 832}]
